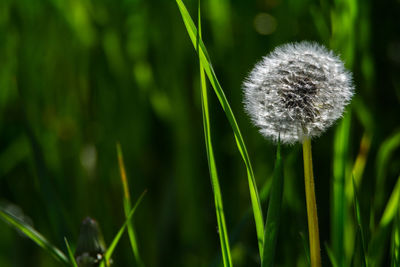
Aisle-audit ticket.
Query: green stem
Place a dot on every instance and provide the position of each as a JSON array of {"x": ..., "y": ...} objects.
[{"x": 313, "y": 231}]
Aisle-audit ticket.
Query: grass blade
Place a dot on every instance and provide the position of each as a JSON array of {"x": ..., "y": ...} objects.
[
  {"x": 395, "y": 258},
  {"x": 304, "y": 241},
  {"x": 241, "y": 224},
  {"x": 392, "y": 206},
  {"x": 339, "y": 181},
  {"x": 274, "y": 212},
  {"x": 360, "y": 231},
  {"x": 376, "y": 248},
  {"x": 204, "y": 59},
  {"x": 223, "y": 232},
  {"x": 114, "y": 243},
  {"x": 127, "y": 207},
  {"x": 331, "y": 256},
  {"x": 358, "y": 167},
  {"x": 70, "y": 254},
  {"x": 35, "y": 236},
  {"x": 386, "y": 150}
]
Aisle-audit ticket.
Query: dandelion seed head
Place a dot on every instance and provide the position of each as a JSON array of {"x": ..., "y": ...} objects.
[{"x": 297, "y": 92}]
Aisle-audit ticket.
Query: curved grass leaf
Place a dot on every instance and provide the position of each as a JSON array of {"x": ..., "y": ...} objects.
[
  {"x": 114, "y": 243},
  {"x": 392, "y": 206},
  {"x": 70, "y": 254},
  {"x": 274, "y": 212},
  {"x": 35, "y": 236},
  {"x": 204, "y": 59},
  {"x": 127, "y": 207},
  {"x": 358, "y": 167},
  {"x": 223, "y": 232},
  {"x": 376, "y": 248},
  {"x": 384, "y": 154}
]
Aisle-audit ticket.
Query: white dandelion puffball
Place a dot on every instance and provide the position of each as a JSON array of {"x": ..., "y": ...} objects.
[{"x": 297, "y": 92}]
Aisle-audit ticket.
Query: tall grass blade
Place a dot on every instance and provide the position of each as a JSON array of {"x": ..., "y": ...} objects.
[
  {"x": 236, "y": 231},
  {"x": 360, "y": 230},
  {"x": 395, "y": 257},
  {"x": 274, "y": 212},
  {"x": 114, "y": 243},
  {"x": 377, "y": 248},
  {"x": 341, "y": 145},
  {"x": 223, "y": 232},
  {"x": 204, "y": 59},
  {"x": 35, "y": 236},
  {"x": 127, "y": 207},
  {"x": 70, "y": 254},
  {"x": 304, "y": 241}
]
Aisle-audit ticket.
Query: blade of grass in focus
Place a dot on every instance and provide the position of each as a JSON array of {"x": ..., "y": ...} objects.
[
  {"x": 274, "y": 212},
  {"x": 223, "y": 232},
  {"x": 114, "y": 243},
  {"x": 127, "y": 207},
  {"x": 70, "y": 254},
  {"x": 204, "y": 59},
  {"x": 35, "y": 236}
]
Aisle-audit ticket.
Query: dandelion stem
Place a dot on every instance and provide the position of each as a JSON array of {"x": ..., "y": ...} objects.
[{"x": 312, "y": 216}]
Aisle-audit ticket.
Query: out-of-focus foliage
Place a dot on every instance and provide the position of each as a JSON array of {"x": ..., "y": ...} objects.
[{"x": 76, "y": 76}]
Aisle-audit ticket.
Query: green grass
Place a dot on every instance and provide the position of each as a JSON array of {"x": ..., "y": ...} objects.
[
  {"x": 34, "y": 235},
  {"x": 72, "y": 260},
  {"x": 54, "y": 251},
  {"x": 274, "y": 212},
  {"x": 77, "y": 76},
  {"x": 340, "y": 177},
  {"x": 395, "y": 250},
  {"x": 127, "y": 207},
  {"x": 361, "y": 255},
  {"x": 223, "y": 232},
  {"x": 387, "y": 148},
  {"x": 115, "y": 241},
  {"x": 204, "y": 59},
  {"x": 392, "y": 206}
]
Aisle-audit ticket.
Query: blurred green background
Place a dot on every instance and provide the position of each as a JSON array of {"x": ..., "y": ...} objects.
[{"x": 78, "y": 76}]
